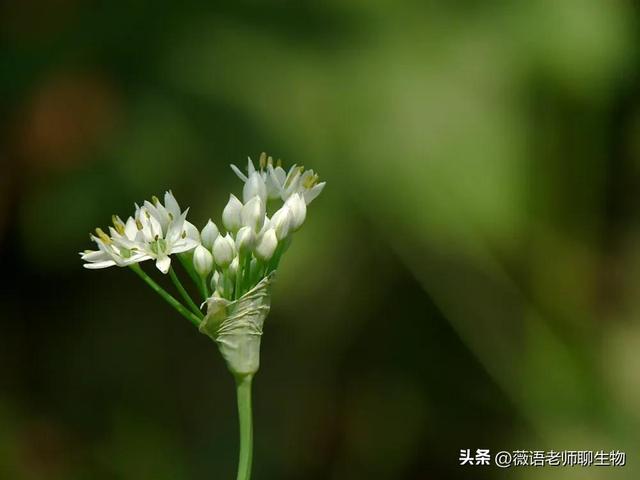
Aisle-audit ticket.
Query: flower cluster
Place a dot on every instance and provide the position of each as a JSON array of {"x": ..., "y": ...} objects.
[
  {"x": 229, "y": 261},
  {"x": 155, "y": 231}
]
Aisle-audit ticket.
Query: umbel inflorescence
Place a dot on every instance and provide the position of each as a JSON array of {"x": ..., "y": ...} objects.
[
  {"x": 157, "y": 231},
  {"x": 232, "y": 266}
]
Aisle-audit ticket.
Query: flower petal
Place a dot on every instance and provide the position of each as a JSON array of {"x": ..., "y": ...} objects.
[
  {"x": 313, "y": 192},
  {"x": 239, "y": 173},
  {"x": 163, "y": 263},
  {"x": 96, "y": 265},
  {"x": 171, "y": 204},
  {"x": 250, "y": 167},
  {"x": 175, "y": 227}
]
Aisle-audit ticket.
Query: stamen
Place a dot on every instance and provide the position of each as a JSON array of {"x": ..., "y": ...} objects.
[
  {"x": 263, "y": 160},
  {"x": 117, "y": 223},
  {"x": 310, "y": 181},
  {"x": 103, "y": 236},
  {"x": 156, "y": 200}
]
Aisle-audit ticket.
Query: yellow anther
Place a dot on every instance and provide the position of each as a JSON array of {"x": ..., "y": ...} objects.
[
  {"x": 263, "y": 160},
  {"x": 310, "y": 181},
  {"x": 270, "y": 160},
  {"x": 103, "y": 236},
  {"x": 279, "y": 162},
  {"x": 138, "y": 224},
  {"x": 117, "y": 223},
  {"x": 156, "y": 200}
]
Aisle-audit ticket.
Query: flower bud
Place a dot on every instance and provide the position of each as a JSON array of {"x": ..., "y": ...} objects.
[
  {"x": 252, "y": 214},
  {"x": 298, "y": 209},
  {"x": 223, "y": 250},
  {"x": 231, "y": 218},
  {"x": 202, "y": 261},
  {"x": 215, "y": 279},
  {"x": 266, "y": 246},
  {"x": 233, "y": 267},
  {"x": 281, "y": 222},
  {"x": 209, "y": 234},
  {"x": 254, "y": 186},
  {"x": 245, "y": 240}
]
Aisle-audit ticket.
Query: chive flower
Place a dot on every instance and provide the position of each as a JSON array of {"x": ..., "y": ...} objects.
[{"x": 233, "y": 269}]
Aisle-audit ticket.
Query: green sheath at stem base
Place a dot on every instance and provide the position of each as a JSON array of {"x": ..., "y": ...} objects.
[{"x": 243, "y": 389}]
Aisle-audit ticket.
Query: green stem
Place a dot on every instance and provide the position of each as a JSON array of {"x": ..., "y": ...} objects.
[
  {"x": 243, "y": 389},
  {"x": 184, "y": 294},
  {"x": 238, "y": 289},
  {"x": 166, "y": 295},
  {"x": 204, "y": 286},
  {"x": 186, "y": 259},
  {"x": 246, "y": 271}
]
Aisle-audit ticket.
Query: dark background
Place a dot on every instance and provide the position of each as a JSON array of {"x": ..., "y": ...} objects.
[{"x": 468, "y": 279}]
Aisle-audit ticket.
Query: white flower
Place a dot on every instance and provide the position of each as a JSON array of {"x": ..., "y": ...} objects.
[
  {"x": 231, "y": 215},
  {"x": 252, "y": 214},
  {"x": 298, "y": 208},
  {"x": 156, "y": 232},
  {"x": 112, "y": 253},
  {"x": 209, "y": 234},
  {"x": 281, "y": 222},
  {"x": 245, "y": 240},
  {"x": 202, "y": 261},
  {"x": 266, "y": 246},
  {"x": 223, "y": 250},
  {"x": 158, "y": 244},
  {"x": 166, "y": 213},
  {"x": 295, "y": 181}
]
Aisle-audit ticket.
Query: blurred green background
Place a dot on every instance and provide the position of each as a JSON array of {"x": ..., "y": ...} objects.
[{"x": 468, "y": 279}]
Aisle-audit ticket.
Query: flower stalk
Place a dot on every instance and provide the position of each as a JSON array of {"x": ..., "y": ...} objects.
[
  {"x": 183, "y": 293},
  {"x": 166, "y": 296},
  {"x": 245, "y": 421}
]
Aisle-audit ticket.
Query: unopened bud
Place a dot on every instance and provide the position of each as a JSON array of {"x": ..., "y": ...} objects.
[
  {"x": 231, "y": 218},
  {"x": 202, "y": 261},
  {"x": 209, "y": 234},
  {"x": 298, "y": 209},
  {"x": 254, "y": 186},
  {"x": 253, "y": 213},
  {"x": 245, "y": 240},
  {"x": 223, "y": 250},
  {"x": 266, "y": 246},
  {"x": 281, "y": 222}
]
